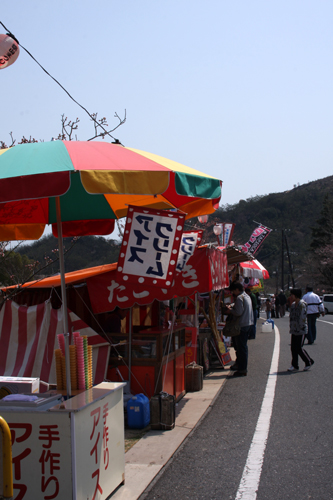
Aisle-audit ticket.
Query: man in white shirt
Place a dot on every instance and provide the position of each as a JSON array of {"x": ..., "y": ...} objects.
[{"x": 315, "y": 307}]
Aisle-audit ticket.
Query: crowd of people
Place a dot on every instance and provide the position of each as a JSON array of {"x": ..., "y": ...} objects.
[{"x": 303, "y": 313}]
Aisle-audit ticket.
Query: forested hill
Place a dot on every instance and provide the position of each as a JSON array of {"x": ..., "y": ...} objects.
[{"x": 295, "y": 211}]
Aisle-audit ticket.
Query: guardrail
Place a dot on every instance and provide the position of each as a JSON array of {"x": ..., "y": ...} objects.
[{"x": 6, "y": 470}]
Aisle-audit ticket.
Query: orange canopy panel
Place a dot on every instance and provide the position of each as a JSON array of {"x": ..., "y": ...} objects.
[{"x": 73, "y": 277}]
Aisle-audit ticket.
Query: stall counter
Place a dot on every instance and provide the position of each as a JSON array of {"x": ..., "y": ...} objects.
[{"x": 73, "y": 450}]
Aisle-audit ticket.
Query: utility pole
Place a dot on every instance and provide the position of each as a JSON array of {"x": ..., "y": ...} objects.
[
  {"x": 282, "y": 261},
  {"x": 290, "y": 266}
]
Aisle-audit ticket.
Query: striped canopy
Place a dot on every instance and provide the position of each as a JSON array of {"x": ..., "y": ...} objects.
[{"x": 95, "y": 182}]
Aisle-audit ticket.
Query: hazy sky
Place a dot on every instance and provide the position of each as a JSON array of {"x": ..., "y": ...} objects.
[{"x": 241, "y": 90}]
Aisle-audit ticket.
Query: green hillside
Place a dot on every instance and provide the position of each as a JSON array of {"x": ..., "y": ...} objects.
[
  {"x": 294, "y": 211},
  {"x": 80, "y": 253}
]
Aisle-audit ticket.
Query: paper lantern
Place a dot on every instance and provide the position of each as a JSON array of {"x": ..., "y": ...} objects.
[
  {"x": 203, "y": 219},
  {"x": 9, "y": 51},
  {"x": 217, "y": 229}
]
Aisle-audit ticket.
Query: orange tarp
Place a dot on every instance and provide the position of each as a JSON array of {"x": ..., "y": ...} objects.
[{"x": 73, "y": 277}]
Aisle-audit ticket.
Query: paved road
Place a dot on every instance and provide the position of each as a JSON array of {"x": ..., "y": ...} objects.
[{"x": 297, "y": 463}]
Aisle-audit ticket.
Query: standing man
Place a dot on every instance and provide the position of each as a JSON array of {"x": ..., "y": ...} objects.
[
  {"x": 243, "y": 310},
  {"x": 315, "y": 309},
  {"x": 282, "y": 301},
  {"x": 297, "y": 324},
  {"x": 252, "y": 334}
]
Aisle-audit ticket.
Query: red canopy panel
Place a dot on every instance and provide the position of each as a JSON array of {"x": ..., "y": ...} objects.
[{"x": 206, "y": 271}]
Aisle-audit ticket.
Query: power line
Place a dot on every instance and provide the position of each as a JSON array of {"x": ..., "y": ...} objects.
[{"x": 63, "y": 88}]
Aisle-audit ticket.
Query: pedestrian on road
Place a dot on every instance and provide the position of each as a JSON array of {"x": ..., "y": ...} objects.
[
  {"x": 283, "y": 302},
  {"x": 268, "y": 309},
  {"x": 252, "y": 334},
  {"x": 243, "y": 310},
  {"x": 277, "y": 305},
  {"x": 315, "y": 309},
  {"x": 297, "y": 325}
]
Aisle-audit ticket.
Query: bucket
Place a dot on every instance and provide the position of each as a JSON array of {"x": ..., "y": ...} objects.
[{"x": 138, "y": 412}]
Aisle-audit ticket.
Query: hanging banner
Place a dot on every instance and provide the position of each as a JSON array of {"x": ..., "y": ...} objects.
[
  {"x": 257, "y": 238},
  {"x": 227, "y": 232},
  {"x": 150, "y": 246},
  {"x": 190, "y": 241},
  {"x": 206, "y": 271}
]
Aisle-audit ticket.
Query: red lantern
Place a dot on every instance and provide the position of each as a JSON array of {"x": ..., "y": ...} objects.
[{"x": 9, "y": 51}]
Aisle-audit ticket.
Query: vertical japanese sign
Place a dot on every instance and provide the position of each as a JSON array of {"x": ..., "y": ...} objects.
[
  {"x": 189, "y": 242},
  {"x": 228, "y": 230},
  {"x": 41, "y": 455},
  {"x": 150, "y": 246}
]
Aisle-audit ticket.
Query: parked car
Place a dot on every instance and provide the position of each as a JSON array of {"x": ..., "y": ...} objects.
[{"x": 328, "y": 303}]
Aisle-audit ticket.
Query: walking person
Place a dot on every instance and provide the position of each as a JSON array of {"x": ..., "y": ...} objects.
[
  {"x": 243, "y": 310},
  {"x": 297, "y": 326},
  {"x": 315, "y": 309}
]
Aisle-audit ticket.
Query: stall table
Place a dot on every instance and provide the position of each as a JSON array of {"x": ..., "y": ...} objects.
[{"x": 68, "y": 450}]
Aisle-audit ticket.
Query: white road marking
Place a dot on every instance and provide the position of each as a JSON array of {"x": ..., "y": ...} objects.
[
  {"x": 323, "y": 321},
  {"x": 249, "y": 484}
]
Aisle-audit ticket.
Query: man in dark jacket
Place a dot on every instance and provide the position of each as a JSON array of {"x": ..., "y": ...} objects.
[
  {"x": 242, "y": 310},
  {"x": 283, "y": 302}
]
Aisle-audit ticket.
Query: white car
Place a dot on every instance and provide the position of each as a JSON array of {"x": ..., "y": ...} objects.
[{"x": 328, "y": 303}]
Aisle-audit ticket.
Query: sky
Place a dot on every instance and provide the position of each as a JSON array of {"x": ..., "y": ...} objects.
[{"x": 240, "y": 90}]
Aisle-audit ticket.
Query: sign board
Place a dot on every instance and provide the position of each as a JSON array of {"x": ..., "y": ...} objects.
[{"x": 150, "y": 246}]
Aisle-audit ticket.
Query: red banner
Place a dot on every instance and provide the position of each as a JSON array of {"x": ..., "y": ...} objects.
[
  {"x": 207, "y": 270},
  {"x": 257, "y": 238}
]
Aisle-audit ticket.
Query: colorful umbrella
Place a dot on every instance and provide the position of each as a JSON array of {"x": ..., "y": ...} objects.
[
  {"x": 81, "y": 187},
  {"x": 95, "y": 181}
]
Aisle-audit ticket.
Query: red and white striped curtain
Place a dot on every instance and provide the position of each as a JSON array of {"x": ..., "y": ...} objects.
[{"x": 28, "y": 338}]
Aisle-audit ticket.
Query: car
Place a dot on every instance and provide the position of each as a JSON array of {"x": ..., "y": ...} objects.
[{"x": 328, "y": 303}]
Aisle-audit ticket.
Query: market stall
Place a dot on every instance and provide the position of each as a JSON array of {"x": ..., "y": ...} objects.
[{"x": 159, "y": 334}]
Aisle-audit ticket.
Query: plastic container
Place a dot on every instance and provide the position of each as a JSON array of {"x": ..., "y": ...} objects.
[
  {"x": 267, "y": 327},
  {"x": 138, "y": 412}
]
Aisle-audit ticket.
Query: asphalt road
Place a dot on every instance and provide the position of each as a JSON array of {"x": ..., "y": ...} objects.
[{"x": 298, "y": 458}]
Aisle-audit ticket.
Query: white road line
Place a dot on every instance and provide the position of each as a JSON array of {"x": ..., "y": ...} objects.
[
  {"x": 323, "y": 321},
  {"x": 249, "y": 484}
]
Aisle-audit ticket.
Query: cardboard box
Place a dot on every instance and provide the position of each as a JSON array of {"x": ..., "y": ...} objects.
[{"x": 20, "y": 385}]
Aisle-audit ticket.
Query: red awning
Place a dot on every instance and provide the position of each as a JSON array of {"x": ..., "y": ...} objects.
[
  {"x": 253, "y": 269},
  {"x": 206, "y": 271}
]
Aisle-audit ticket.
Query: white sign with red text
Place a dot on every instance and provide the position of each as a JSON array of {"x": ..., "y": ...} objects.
[{"x": 150, "y": 246}]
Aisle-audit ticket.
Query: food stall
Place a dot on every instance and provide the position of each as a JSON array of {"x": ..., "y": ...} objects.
[{"x": 159, "y": 335}]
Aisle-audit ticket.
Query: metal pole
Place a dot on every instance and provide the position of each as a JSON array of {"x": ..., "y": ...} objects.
[
  {"x": 282, "y": 261},
  {"x": 130, "y": 349},
  {"x": 290, "y": 266},
  {"x": 63, "y": 295}
]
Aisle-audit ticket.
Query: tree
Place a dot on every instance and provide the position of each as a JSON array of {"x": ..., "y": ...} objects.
[
  {"x": 14, "y": 267},
  {"x": 322, "y": 233},
  {"x": 321, "y": 260}
]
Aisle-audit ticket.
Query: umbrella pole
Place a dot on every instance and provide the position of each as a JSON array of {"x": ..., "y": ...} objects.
[
  {"x": 63, "y": 295},
  {"x": 130, "y": 349}
]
